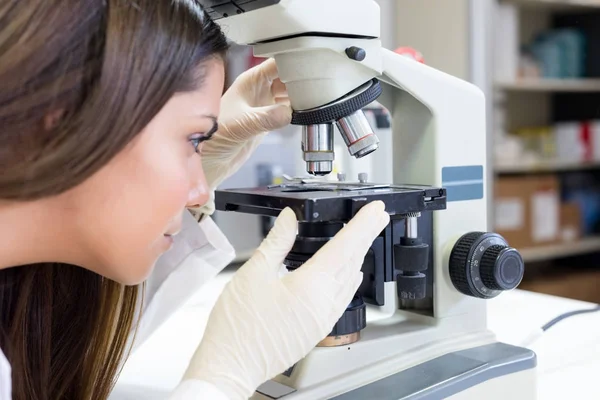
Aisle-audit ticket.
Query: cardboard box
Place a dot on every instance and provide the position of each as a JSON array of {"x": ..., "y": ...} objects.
[
  {"x": 570, "y": 222},
  {"x": 545, "y": 209},
  {"x": 511, "y": 206},
  {"x": 527, "y": 210}
]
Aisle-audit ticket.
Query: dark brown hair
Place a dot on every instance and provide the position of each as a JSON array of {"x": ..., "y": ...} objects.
[{"x": 105, "y": 68}]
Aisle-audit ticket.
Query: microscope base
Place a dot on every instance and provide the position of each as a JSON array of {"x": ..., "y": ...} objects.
[{"x": 416, "y": 363}]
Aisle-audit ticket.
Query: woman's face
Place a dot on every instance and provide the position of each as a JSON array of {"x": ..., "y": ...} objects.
[{"x": 127, "y": 213}]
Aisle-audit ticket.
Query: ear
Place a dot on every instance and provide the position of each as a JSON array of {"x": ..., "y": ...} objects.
[{"x": 52, "y": 119}]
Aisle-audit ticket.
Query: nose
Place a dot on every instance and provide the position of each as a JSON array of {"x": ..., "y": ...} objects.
[{"x": 198, "y": 194}]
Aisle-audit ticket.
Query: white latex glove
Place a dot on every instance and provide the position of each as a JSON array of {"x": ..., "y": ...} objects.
[
  {"x": 257, "y": 102},
  {"x": 262, "y": 323}
]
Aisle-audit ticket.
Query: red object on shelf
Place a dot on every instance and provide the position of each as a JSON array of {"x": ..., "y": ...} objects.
[
  {"x": 254, "y": 61},
  {"x": 410, "y": 52},
  {"x": 585, "y": 135}
]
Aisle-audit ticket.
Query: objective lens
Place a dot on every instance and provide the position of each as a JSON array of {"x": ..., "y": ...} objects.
[
  {"x": 358, "y": 134},
  {"x": 317, "y": 145}
]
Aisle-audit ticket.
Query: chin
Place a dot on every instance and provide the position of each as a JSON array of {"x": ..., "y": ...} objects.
[{"x": 134, "y": 276}]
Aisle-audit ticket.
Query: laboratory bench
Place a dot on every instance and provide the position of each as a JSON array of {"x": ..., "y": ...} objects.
[{"x": 568, "y": 353}]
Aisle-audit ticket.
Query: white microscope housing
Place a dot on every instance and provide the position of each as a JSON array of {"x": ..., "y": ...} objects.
[{"x": 327, "y": 52}]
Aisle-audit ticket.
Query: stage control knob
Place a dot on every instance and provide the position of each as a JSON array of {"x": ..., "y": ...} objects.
[{"x": 483, "y": 265}]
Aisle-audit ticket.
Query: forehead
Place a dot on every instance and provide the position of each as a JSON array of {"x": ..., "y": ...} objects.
[{"x": 206, "y": 95}]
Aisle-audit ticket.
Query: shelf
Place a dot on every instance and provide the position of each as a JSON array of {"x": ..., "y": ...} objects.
[
  {"x": 552, "y": 85},
  {"x": 544, "y": 253},
  {"x": 550, "y": 166},
  {"x": 559, "y": 5}
]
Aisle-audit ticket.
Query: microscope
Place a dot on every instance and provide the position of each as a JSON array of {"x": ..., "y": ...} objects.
[{"x": 416, "y": 328}]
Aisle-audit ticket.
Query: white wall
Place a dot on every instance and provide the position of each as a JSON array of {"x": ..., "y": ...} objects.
[
  {"x": 439, "y": 29},
  {"x": 388, "y": 23}
]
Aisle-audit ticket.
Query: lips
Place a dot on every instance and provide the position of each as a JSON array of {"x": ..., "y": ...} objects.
[{"x": 173, "y": 228}]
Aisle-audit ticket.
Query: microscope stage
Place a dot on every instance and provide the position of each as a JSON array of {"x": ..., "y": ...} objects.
[{"x": 330, "y": 201}]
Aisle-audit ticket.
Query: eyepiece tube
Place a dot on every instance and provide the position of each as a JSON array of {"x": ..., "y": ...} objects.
[
  {"x": 317, "y": 146},
  {"x": 358, "y": 134}
]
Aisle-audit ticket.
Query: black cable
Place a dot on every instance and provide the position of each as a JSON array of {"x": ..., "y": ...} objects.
[{"x": 567, "y": 315}]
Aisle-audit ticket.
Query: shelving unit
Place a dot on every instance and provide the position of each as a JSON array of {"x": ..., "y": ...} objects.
[
  {"x": 461, "y": 38},
  {"x": 549, "y": 166},
  {"x": 552, "y": 85},
  {"x": 550, "y": 252},
  {"x": 557, "y": 5},
  {"x": 521, "y": 103}
]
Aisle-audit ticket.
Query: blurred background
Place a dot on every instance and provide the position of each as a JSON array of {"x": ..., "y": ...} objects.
[{"x": 538, "y": 62}]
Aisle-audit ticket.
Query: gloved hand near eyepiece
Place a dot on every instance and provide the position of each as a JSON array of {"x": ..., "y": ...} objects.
[
  {"x": 263, "y": 323},
  {"x": 256, "y": 103}
]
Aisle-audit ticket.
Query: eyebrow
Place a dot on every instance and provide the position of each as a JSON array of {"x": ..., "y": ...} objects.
[
  {"x": 209, "y": 116},
  {"x": 215, "y": 122}
]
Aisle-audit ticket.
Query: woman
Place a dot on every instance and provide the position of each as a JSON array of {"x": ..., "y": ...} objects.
[{"x": 106, "y": 110}]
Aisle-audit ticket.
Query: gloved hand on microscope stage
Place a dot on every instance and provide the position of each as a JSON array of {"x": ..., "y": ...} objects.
[
  {"x": 256, "y": 103},
  {"x": 263, "y": 322}
]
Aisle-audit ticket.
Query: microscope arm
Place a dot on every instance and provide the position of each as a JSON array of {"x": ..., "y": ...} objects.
[
  {"x": 438, "y": 102},
  {"x": 439, "y": 139}
]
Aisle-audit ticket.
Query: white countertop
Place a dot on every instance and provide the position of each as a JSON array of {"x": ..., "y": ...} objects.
[{"x": 568, "y": 353}]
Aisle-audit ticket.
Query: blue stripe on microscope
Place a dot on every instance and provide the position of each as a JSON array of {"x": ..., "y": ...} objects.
[
  {"x": 464, "y": 192},
  {"x": 463, "y": 183},
  {"x": 463, "y": 173}
]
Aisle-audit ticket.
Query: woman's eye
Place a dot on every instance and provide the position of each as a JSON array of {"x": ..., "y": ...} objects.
[{"x": 197, "y": 139}]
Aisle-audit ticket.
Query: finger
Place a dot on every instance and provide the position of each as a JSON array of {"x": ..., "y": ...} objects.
[
  {"x": 355, "y": 239},
  {"x": 345, "y": 295},
  {"x": 322, "y": 293},
  {"x": 278, "y": 243},
  {"x": 268, "y": 69},
  {"x": 366, "y": 224},
  {"x": 275, "y": 116},
  {"x": 283, "y": 100},
  {"x": 313, "y": 284},
  {"x": 278, "y": 89},
  {"x": 345, "y": 269},
  {"x": 359, "y": 280},
  {"x": 347, "y": 284},
  {"x": 350, "y": 289}
]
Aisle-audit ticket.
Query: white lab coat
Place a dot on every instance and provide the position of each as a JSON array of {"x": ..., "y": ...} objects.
[{"x": 199, "y": 253}]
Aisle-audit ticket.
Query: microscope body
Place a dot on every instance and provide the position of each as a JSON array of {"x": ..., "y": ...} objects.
[{"x": 431, "y": 342}]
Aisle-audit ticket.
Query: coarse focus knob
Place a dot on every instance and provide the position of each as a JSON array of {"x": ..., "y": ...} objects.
[{"x": 483, "y": 265}]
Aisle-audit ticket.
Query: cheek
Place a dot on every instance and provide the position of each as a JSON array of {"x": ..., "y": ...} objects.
[
  {"x": 128, "y": 207},
  {"x": 169, "y": 186}
]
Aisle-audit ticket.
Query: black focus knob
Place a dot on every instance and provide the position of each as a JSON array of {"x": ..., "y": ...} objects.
[
  {"x": 502, "y": 268},
  {"x": 483, "y": 265}
]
